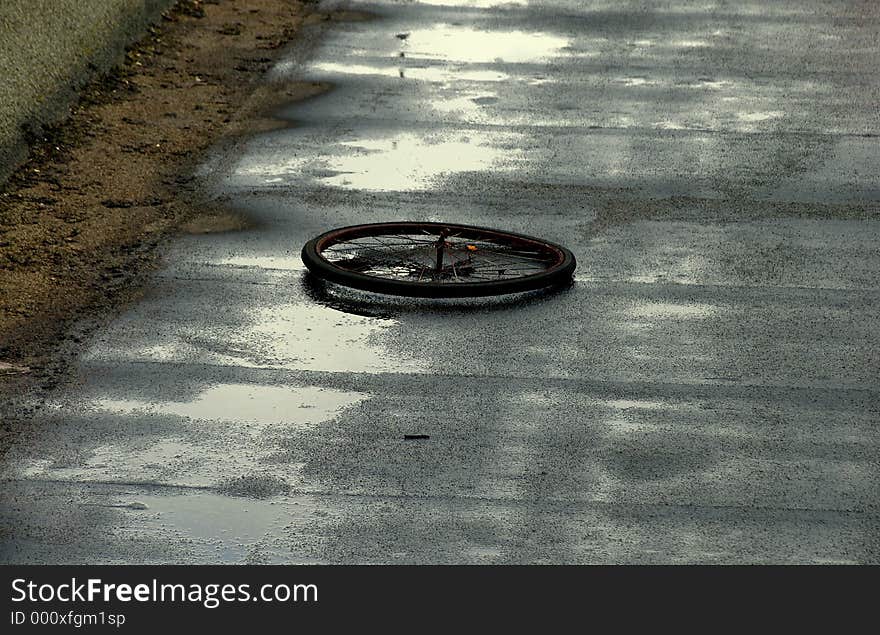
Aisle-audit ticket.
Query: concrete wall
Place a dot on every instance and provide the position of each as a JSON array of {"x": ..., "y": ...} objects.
[{"x": 48, "y": 49}]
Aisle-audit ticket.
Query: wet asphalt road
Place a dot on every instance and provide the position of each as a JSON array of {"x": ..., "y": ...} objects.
[{"x": 706, "y": 391}]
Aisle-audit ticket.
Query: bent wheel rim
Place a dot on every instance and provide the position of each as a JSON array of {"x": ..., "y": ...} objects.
[{"x": 436, "y": 259}]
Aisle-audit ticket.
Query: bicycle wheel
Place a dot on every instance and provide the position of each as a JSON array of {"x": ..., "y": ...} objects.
[{"x": 436, "y": 260}]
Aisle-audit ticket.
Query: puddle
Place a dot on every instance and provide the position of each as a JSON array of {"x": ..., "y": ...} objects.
[
  {"x": 403, "y": 162},
  {"x": 465, "y": 44},
  {"x": 285, "y": 263},
  {"x": 425, "y": 73},
  {"x": 711, "y": 84},
  {"x": 315, "y": 337},
  {"x": 231, "y": 430},
  {"x": 135, "y": 461},
  {"x": 474, "y": 4},
  {"x": 300, "y": 406},
  {"x": 232, "y": 530},
  {"x": 699, "y": 83},
  {"x": 302, "y": 335},
  {"x": 689, "y": 43},
  {"x": 469, "y": 104},
  {"x": 409, "y": 162},
  {"x": 636, "y": 81}
]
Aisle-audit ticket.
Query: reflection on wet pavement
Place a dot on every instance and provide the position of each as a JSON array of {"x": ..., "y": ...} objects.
[
  {"x": 245, "y": 403},
  {"x": 263, "y": 263},
  {"x": 421, "y": 72},
  {"x": 222, "y": 529},
  {"x": 456, "y": 43},
  {"x": 476, "y": 4},
  {"x": 313, "y": 337},
  {"x": 404, "y": 162},
  {"x": 264, "y": 329},
  {"x": 223, "y": 430}
]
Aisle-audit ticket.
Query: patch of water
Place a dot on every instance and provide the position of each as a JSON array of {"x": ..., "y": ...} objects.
[
  {"x": 474, "y": 4},
  {"x": 452, "y": 42},
  {"x": 316, "y": 337},
  {"x": 400, "y": 162},
  {"x": 300, "y": 406},
  {"x": 244, "y": 422},
  {"x": 228, "y": 530},
  {"x": 443, "y": 73},
  {"x": 280, "y": 262}
]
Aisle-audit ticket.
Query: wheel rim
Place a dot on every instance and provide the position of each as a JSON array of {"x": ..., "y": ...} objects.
[{"x": 437, "y": 254}]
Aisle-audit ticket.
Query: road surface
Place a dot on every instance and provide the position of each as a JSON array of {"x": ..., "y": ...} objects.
[{"x": 706, "y": 392}]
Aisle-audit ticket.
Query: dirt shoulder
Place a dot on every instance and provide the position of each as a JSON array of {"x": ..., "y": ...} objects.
[{"x": 80, "y": 220}]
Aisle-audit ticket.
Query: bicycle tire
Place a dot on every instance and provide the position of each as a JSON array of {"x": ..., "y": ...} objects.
[{"x": 560, "y": 262}]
